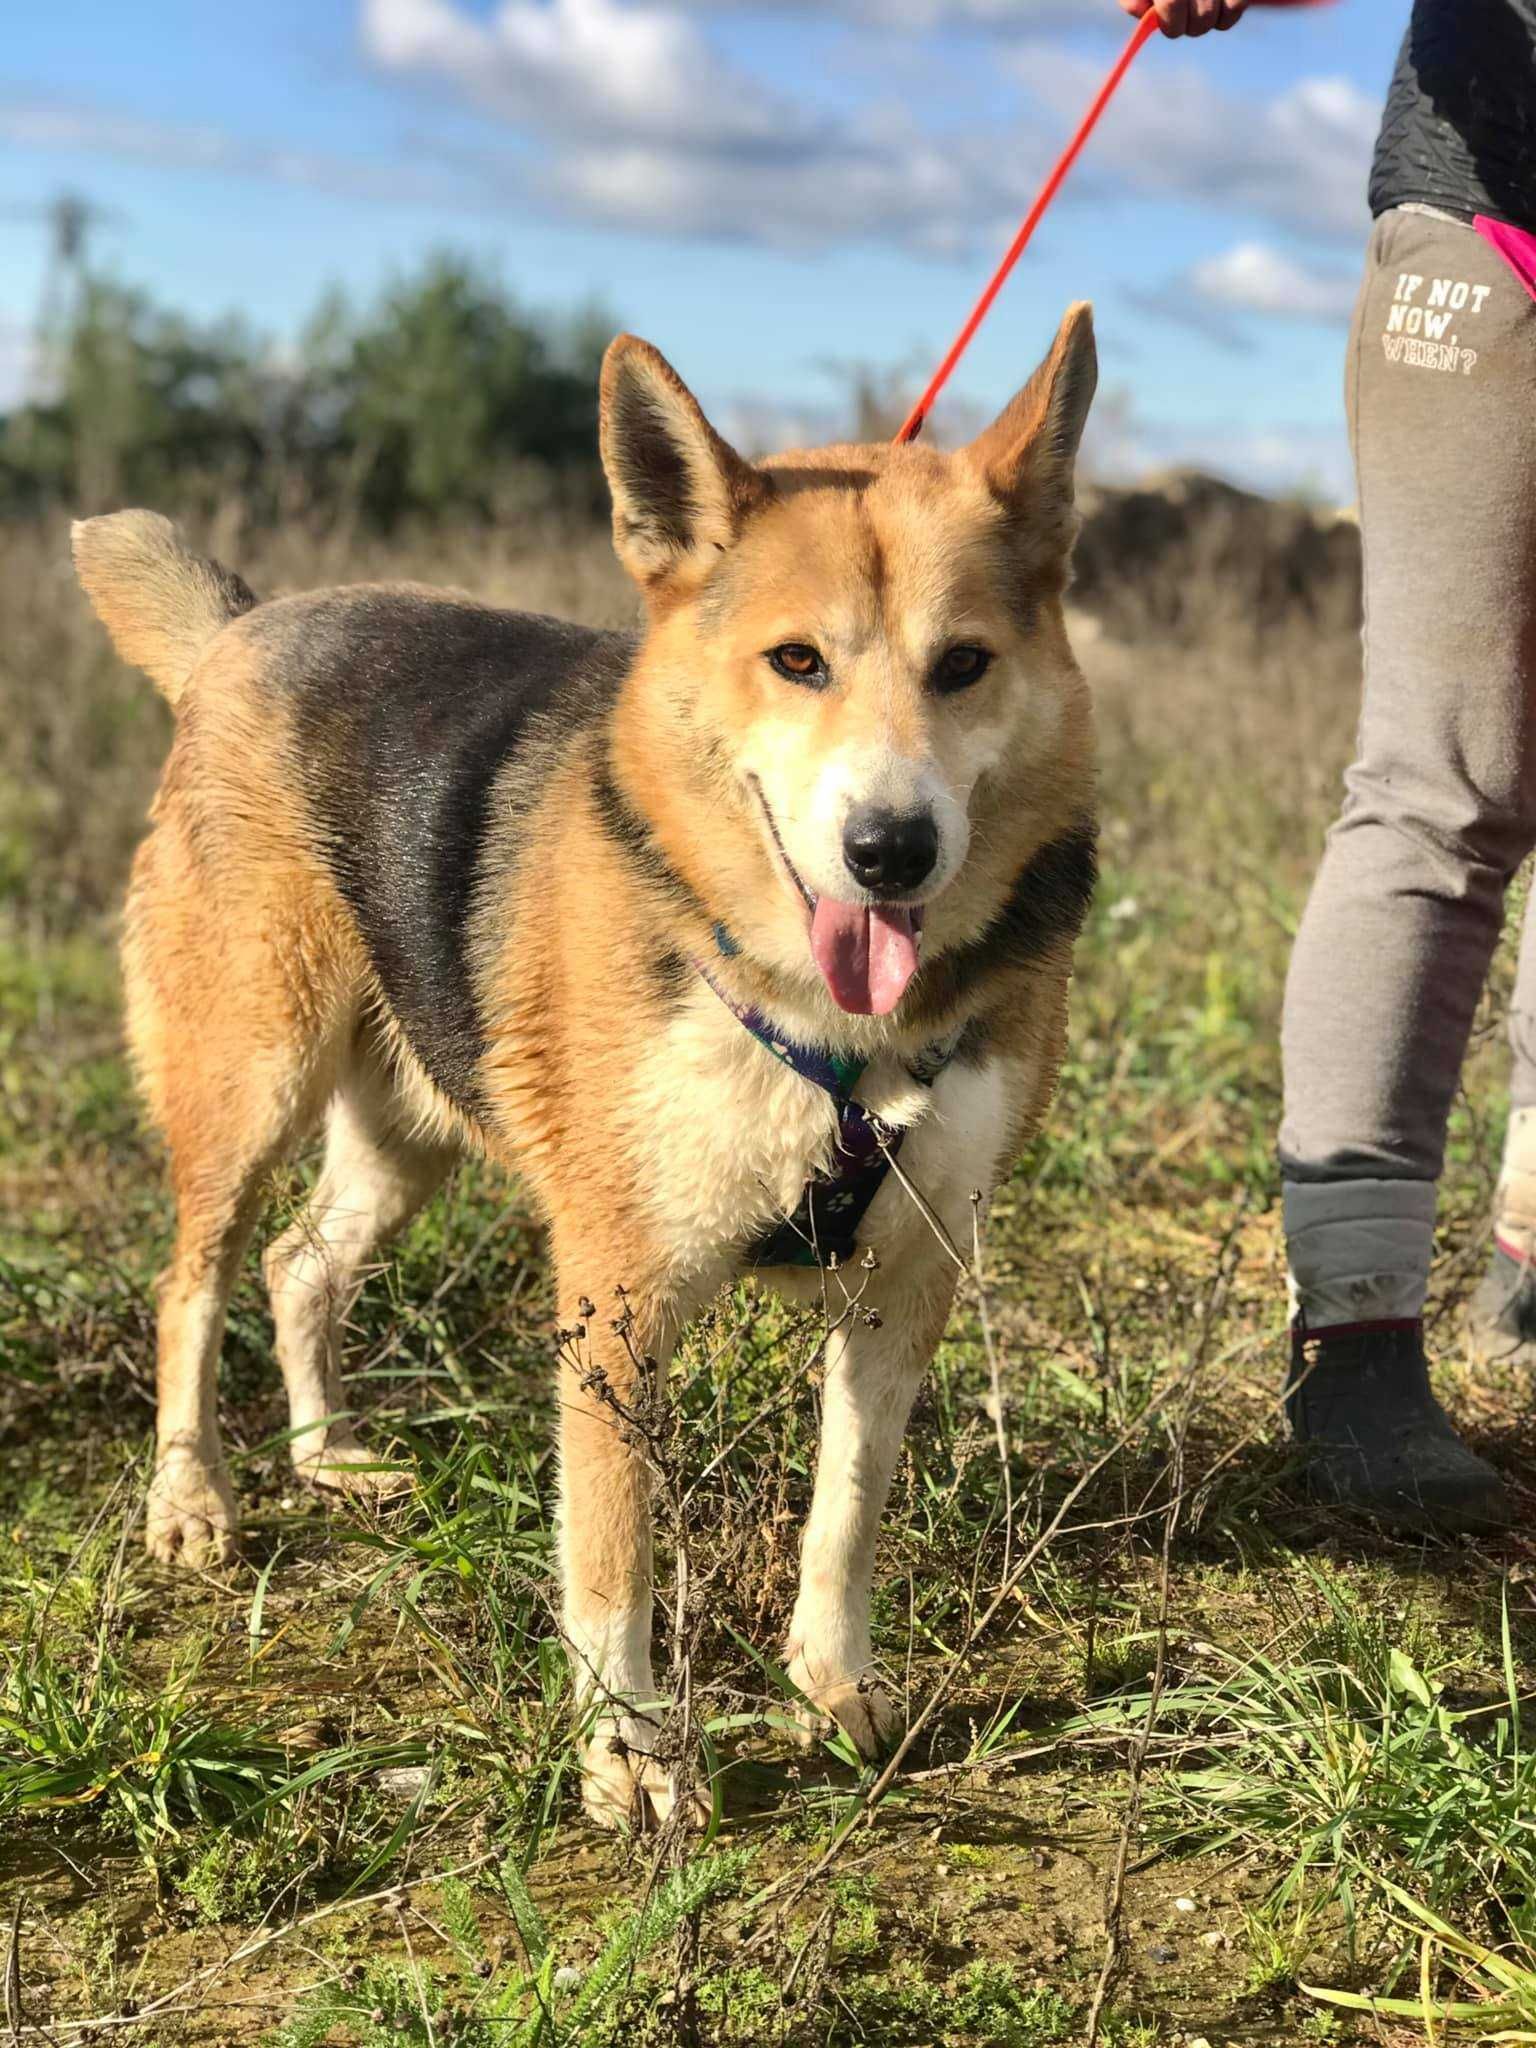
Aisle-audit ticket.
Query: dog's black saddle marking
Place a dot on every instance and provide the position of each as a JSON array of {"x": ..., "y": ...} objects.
[{"x": 408, "y": 709}]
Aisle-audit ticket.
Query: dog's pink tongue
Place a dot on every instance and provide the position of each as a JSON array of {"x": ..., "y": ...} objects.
[{"x": 867, "y": 955}]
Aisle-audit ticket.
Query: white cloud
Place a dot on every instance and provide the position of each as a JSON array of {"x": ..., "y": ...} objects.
[
  {"x": 733, "y": 165},
  {"x": 646, "y": 127},
  {"x": 29, "y": 124},
  {"x": 1255, "y": 278},
  {"x": 1252, "y": 278},
  {"x": 920, "y": 196},
  {"x": 630, "y": 74},
  {"x": 623, "y": 112},
  {"x": 920, "y": 15},
  {"x": 1301, "y": 159}
]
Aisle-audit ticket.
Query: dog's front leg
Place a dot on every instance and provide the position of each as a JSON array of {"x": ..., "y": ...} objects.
[
  {"x": 875, "y": 1364},
  {"x": 617, "y": 1333}
]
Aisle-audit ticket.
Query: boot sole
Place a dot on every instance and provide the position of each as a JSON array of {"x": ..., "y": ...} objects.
[{"x": 1415, "y": 1518}]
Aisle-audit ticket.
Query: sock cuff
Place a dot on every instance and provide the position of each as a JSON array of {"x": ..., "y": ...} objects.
[
  {"x": 1358, "y": 1250},
  {"x": 1515, "y": 1203},
  {"x": 1520, "y": 1139},
  {"x": 1317, "y": 1203}
]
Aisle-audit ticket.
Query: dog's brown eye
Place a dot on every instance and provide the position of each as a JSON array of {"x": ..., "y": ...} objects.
[
  {"x": 802, "y": 664},
  {"x": 961, "y": 667}
]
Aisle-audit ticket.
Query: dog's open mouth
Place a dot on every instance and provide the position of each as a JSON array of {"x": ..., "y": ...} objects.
[{"x": 866, "y": 953}]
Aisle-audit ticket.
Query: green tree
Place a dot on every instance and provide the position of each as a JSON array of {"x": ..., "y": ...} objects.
[
  {"x": 419, "y": 405},
  {"x": 142, "y": 397},
  {"x": 432, "y": 392}
]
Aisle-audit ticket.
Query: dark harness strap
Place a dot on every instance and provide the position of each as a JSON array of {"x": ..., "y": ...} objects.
[{"x": 824, "y": 1229}]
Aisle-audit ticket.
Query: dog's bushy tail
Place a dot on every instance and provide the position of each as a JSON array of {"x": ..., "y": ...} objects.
[{"x": 161, "y": 603}]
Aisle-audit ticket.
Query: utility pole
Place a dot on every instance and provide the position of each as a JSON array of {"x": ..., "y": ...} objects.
[{"x": 69, "y": 220}]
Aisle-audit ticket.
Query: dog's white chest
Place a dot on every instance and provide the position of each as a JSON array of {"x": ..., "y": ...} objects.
[{"x": 731, "y": 1134}]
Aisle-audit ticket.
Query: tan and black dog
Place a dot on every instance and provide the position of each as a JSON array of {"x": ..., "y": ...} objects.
[{"x": 694, "y": 930}]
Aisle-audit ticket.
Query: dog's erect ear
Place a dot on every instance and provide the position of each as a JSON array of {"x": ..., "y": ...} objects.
[
  {"x": 680, "y": 493},
  {"x": 1029, "y": 452}
]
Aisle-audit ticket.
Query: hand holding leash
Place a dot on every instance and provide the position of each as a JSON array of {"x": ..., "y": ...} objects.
[{"x": 1189, "y": 17}]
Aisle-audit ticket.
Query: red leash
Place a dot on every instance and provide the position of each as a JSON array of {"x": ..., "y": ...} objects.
[{"x": 1141, "y": 34}]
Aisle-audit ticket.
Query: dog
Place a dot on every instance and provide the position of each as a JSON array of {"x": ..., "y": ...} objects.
[{"x": 745, "y": 940}]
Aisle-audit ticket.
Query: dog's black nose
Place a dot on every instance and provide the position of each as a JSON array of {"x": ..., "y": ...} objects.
[{"x": 890, "y": 851}]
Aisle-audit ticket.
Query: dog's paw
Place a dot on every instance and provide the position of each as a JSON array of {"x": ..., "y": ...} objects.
[
  {"x": 861, "y": 1707},
  {"x": 343, "y": 1465},
  {"x": 624, "y": 1786},
  {"x": 190, "y": 1518}
]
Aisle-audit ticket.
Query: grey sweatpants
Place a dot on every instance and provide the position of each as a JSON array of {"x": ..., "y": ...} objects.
[{"x": 1441, "y": 798}]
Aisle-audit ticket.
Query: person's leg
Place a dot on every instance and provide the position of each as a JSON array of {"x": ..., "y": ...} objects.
[
  {"x": 1440, "y": 810},
  {"x": 1503, "y": 1315}
]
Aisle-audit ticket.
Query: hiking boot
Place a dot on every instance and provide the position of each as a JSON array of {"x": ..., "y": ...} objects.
[
  {"x": 1376, "y": 1437},
  {"x": 1501, "y": 1318}
]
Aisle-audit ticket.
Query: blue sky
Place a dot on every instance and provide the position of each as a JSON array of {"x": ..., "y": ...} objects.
[{"x": 761, "y": 190}]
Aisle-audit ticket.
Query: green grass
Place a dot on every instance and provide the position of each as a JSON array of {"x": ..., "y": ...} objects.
[
  {"x": 537, "y": 2002},
  {"x": 329, "y": 1796},
  {"x": 154, "y": 1762},
  {"x": 1361, "y": 1754}
]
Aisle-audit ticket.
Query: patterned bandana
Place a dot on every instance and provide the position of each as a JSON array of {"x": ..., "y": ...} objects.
[{"x": 824, "y": 1229}]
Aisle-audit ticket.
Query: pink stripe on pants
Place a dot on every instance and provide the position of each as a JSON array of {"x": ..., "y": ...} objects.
[{"x": 1516, "y": 245}]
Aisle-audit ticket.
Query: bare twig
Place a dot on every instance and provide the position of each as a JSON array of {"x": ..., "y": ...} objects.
[
  {"x": 13, "y": 2013},
  {"x": 994, "y": 1369}
]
